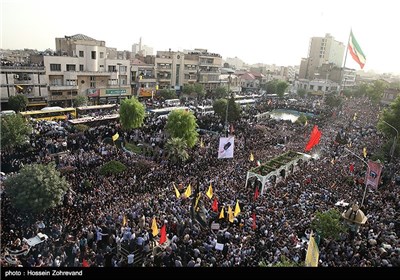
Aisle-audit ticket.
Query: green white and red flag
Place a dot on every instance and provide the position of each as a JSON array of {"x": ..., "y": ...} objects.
[{"x": 355, "y": 51}]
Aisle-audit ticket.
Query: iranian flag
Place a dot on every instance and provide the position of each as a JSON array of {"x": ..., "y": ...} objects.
[{"x": 355, "y": 51}]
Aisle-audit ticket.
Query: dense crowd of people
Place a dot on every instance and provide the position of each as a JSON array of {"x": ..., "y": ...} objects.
[{"x": 102, "y": 214}]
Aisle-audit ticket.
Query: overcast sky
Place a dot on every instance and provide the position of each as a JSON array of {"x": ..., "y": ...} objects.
[{"x": 272, "y": 32}]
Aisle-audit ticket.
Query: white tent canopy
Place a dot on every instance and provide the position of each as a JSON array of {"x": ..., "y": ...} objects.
[{"x": 285, "y": 162}]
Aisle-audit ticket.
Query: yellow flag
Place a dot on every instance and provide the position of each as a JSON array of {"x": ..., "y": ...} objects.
[
  {"x": 237, "y": 208},
  {"x": 124, "y": 222},
  {"x": 201, "y": 143},
  {"x": 115, "y": 137},
  {"x": 188, "y": 191},
  {"x": 177, "y": 193},
  {"x": 230, "y": 214},
  {"x": 210, "y": 192},
  {"x": 312, "y": 253},
  {"x": 154, "y": 228},
  {"x": 222, "y": 215},
  {"x": 365, "y": 152},
  {"x": 251, "y": 157}
]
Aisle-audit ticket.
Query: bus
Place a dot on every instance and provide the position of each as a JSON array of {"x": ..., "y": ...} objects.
[
  {"x": 50, "y": 114},
  {"x": 245, "y": 102},
  {"x": 172, "y": 102},
  {"x": 165, "y": 111},
  {"x": 96, "y": 110},
  {"x": 205, "y": 110}
]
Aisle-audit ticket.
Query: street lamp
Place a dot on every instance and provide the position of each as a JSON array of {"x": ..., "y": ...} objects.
[{"x": 394, "y": 140}]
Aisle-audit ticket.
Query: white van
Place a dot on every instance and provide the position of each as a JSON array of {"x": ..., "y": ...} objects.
[
  {"x": 172, "y": 102},
  {"x": 7, "y": 113}
]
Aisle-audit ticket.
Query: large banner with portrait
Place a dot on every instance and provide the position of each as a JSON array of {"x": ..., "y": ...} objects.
[
  {"x": 226, "y": 145},
  {"x": 373, "y": 174}
]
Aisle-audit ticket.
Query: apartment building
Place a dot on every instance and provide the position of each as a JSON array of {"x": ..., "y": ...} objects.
[
  {"x": 81, "y": 66},
  {"x": 322, "y": 50}
]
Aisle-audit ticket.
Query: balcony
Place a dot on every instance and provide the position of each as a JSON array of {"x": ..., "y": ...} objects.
[{"x": 62, "y": 87}]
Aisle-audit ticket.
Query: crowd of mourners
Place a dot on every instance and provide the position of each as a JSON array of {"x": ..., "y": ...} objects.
[{"x": 102, "y": 214}]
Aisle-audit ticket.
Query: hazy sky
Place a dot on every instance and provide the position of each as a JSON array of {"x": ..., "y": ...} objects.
[{"x": 272, "y": 32}]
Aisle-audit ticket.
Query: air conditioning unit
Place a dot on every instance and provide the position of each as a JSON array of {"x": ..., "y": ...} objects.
[{"x": 16, "y": 76}]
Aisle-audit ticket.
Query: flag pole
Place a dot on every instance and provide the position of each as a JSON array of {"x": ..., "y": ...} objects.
[{"x": 344, "y": 64}]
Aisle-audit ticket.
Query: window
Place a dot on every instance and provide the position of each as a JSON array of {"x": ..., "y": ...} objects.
[
  {"x": 71, "y": 82},
  {"x": 319, "y": 87},
  {"x": 81, "y": 67},
  {"x": 93, "y": 55},
  {"x": 112, "y": 68},
  {"x": 55, "y": 67},
  {"x": 311, "y": 86},
  {"x": 71, "y": 67},
  {"x": 56, "y": 93},
  {"x": 101, "y": 55},
  {"x": 112, "y": 82},
  {"x": 81, "y": 54},
  {"x": 92, "y": 81}
]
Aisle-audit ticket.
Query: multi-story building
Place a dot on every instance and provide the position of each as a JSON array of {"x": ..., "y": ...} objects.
[
  {"x": 29, "y": 80},
  {"x": 144, "y": 83},
  {"x": 209, "y": 68},
  {"x": 322, "y": 50},
  {"x": 84, "y": 69},
  {"x": 141, "y": 50}
]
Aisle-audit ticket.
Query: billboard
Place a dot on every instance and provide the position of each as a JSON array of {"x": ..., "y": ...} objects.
[{"x": 226, "y": 146}]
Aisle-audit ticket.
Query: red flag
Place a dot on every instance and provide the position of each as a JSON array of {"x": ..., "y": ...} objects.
[
  {"x": 314, "y": 138},
  {"x": 214, "y": 206},
  {"x": 254, "y": 226},
  {"x": 85, "y": 263},
  {"x": 163, "y": 233},
  {"x": 352, "y": 168},
  {"x": 256, "y": 194}
]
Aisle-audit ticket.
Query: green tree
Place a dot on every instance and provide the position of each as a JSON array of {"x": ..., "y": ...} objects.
[
  {"x": 14, "y": 131},
  {"x": 391, "y": 116},
  {"x": 182, "y": 124},
  {"x": 131, "y": 113},
  {"x": 234, "y": 110},
  {"x": 177, "y": 150},
  {"x": 302, "y": 119},
  {"x": 375, "y": 91},
  {"x": 328, "y": 224},
  {"x": 220, "y": 92},
  {"x": 18, "y": 102},
  {"x": 270, "y": 87},
  {"x": 301, "y": 92},
  {"x": 80, "y": 100},
  {"x": 219, "y": 107},
  {"x": 281, "y": 87},
  {"x": 36, "y": 188},
  {"x": 333, "y": 100},
  {"x": 199, "y": 90},
  {"x": 168, "y": 94},
  {"x": 112, "y": 167},
  {"x": 188, "y": 89}
]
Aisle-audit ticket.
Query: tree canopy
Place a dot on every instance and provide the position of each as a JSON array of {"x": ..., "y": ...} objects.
[
  {"x": 281, "y": 87},
  {"x": 168, "y": 94},
  {"x": 80, "y": 100},
  {"x": 36, "y": 188},
  {"x": 220, "y": 108},
  {"x": 328, "y": 224},
  {"x": 18, "y": 102},
  {"x": 182, "y": 124},
  {"x": 390, "y": 118},
  {"x": 112, "y": 167},
  {"x": 132, "y": 113},
  {"x": 177, "y": 150},
  {"x": 14, "y": 131}
]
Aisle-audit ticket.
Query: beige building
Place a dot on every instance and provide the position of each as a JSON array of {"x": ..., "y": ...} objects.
[
  {"x": 322, "y": 50},
  {"x": 83, "y": 68},
  {"x": 28, "y": 80}
]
